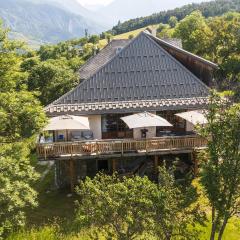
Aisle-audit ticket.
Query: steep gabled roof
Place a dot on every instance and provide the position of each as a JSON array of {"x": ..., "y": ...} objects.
[
  {"x": 169, "y": 44},
  {"x": 200, "y": 67},
  {"x": 105, "y": 55},
  {"x": 143, "y": 70}
]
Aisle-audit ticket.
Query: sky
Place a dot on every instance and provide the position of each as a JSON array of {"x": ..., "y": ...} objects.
[{"x": 95, "y": 2}]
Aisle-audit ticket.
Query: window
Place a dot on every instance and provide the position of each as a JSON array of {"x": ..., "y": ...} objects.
[
  {"x": 114, "y": 127},
  {"x": 112, "y": 122}
]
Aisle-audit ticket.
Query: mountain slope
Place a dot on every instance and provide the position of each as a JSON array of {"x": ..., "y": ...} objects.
[
  {"x": 75, "y": 7},
  {"x": 45, "y": 21},
  {"x": 127, "y": 9},
  {"x": 208, "y": 9}
]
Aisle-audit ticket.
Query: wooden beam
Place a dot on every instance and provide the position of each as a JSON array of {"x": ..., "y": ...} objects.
[
  {"x": 156, "y": 163},
  {"x": 195, "y": 163},
  {"x": 114, "y": 165},
  {"x": 72, "y": 174}
]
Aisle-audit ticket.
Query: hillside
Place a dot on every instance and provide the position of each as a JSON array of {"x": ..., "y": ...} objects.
[
  {"x": 124, "y": 9},
  {"x": 126, "y": 35},
  {"x": 208, "y": 9},
  {"x": 75, "y": 7},
  {"x": 45, "y": 22}
]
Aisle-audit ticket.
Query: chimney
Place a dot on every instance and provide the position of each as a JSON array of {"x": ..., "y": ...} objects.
[
  {"x": 152, "y": 30},
  {"x": 95, "y": 50}
]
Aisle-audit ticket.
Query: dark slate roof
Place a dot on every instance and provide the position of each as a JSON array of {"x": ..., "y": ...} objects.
[
  {"x": 173, "y": 41},
  {"x": 105, "y": 55},
  {"x": 143, "y": 70}
]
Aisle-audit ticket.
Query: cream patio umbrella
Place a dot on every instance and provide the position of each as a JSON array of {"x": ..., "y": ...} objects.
[
  {"x": 145, "y": 120},
  {"x": 68, "y": 122},
  {"x": 194, "y": 117}
]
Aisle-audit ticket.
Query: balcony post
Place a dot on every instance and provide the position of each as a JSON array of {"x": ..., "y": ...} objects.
[
  {"x": 156, "y": 163},
  {"x": 146, "y": 145},
  {"x": 114, "y": 165},
  {"x": 45, "y": 154},
  {"x": 195, "y": 163},
  {"x": 97, "y": 148},
  {"x": 72, "y": 177},
  {"x": 122, "y": 149}
]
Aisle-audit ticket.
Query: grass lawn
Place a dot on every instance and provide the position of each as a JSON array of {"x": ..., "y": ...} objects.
[
  {"x": 53, "y": 205},
  {"x": 232, "y": 232}
]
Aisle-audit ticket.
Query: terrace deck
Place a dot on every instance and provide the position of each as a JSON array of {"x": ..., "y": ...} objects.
[{"x": 119, "y": 148}]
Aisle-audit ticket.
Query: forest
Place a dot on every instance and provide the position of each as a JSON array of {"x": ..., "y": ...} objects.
[
  {"x": 107, "y": 207},
  {"x": 208, "y": 9}
]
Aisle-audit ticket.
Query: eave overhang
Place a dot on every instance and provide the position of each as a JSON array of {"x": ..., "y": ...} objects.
[{"x": 100, "y": 108}]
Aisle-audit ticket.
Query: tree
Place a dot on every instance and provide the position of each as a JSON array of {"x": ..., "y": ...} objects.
[
  {"x": 225, "y": 38},
  {"x": 119, "y": 207},
  {"x": 175, "y": 208},
  {"x": 194, "y": 33},
  {"x": 21, "y": 115},
  {"x": 164, "y": 31},
  {"x": 108, "y": 37},
  {"x": 94, "y": 39},
  {"x": 131, "y": 36},
  {"x": 173, "y": 21},
  {"x": 220, "y": 174},
  {"x": 21, "y": 118},
  {"x": 128, "y": 208},
  {"x": 208, "y": 9},
  {"x": 16, "y": 192},
  {"x": 52, "y": 79},
  {"x": 11, "y": 76},
  {"x": 66, "y": 50},
  {"x": 225, "y": 50},
  {"x": 228, "y": 76},
  {"x": 162, "y": 27}
]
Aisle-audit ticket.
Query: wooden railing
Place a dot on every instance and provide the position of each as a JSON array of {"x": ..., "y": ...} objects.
[{"x": 108, "y": 147}]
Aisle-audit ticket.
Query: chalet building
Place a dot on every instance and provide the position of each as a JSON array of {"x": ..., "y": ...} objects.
[{"x": 145, "y": 74}]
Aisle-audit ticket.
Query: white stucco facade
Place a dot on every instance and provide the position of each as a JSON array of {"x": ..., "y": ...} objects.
[{"x": 95, "y": 126}]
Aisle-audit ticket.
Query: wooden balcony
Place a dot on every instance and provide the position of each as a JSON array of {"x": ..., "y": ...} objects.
[{"x": 118, "y": 148}]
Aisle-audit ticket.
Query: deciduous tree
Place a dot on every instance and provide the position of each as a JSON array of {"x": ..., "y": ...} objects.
[
  {"x": 194, "y": 33},
  {"x": 21, "y": 118},
  {"x": 52, "y": 79},
  {"x": 175, "y": 208},
  {"x": 16, "y": 192},
  {"x": 220, "y": 174},
  {"x": 129, "y": 208},
  {"x": 119, "y": 207}
]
